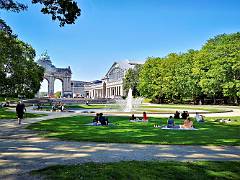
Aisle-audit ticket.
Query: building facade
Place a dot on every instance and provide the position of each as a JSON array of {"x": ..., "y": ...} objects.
[
  {"x": 51, "y": 73},
  {"x": 78, "y": 88},
  {"x": 111, "y": 85}
]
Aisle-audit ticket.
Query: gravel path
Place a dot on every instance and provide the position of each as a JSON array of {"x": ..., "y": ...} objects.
[{"x": 21, "y": 150}]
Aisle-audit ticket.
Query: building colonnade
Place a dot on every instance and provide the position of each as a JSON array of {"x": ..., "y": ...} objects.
[{"x": 108, "y": 92}]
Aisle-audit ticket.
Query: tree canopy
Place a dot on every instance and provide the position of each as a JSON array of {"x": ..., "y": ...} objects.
[
  {"x": 19, "y": 74},
  {"x": 212, "y": 72},
  {"x": 65, "y": 11},
  {"x": 131, "y": 80}
]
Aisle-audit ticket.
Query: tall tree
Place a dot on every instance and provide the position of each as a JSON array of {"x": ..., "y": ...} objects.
[
  {"x": 219, "y": 61},
  {"x": 150, "y": 79},
  {"x": 19, "y": 74},
  {"x": 131, "y": 80}
]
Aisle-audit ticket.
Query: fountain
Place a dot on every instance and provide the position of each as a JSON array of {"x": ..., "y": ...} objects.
[{"x": 129, "y": 104}]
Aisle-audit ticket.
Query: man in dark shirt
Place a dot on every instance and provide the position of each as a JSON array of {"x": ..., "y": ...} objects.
[
  {"x": 103, "y": 120},
  {"x": 20, "y": 109}
]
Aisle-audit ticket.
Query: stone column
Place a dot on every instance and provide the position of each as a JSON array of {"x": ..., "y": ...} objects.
[
  {"x": 51, "y": 86},
  {"x": 119, "y": 90},
  {"x": 66, "y": 86}
]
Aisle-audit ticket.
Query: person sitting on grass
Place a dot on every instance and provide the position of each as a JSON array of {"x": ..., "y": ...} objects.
[
  {"x": 103, "y": 120},
  {"x": 199, "y": 118},
  {"x": 132, "y": 118},
  {"x": 170, "y": 122},
  {"x": 62, "y": 107},
  {"x": 184, "y": 115},
  {"x": 145, "y": 118},
  {"x": 96, "y": 119},
  {"x": 187, "y": 123},
  {"x": 177, "y": 115}
]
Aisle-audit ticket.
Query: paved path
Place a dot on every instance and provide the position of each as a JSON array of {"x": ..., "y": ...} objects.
[{"x": 21, "y": 150}]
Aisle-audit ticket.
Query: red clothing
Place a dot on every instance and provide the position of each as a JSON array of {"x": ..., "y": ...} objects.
[{"x": 145, "y": 118}]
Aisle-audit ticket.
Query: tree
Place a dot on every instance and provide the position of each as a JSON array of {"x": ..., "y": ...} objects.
[
  {"x": 57, "y": 94},
  {"x": 219, "y": 62},
  {"x": 212, "y": 72},
  {"x": 65, "y": 11},
  {"x": 150, "y": 79},
  {"x": 19, "y": 74},
  {"x": 131, "y": 80}
]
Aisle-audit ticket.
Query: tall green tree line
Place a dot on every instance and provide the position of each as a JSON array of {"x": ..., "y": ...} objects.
[{"x": 211, "y": 73}]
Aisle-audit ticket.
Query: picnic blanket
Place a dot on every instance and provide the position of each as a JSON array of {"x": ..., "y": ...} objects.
[
  {"x": 137, "y": 120},
  {"x": 99, "y": 124},
  {"x": 184, "y": 129}
]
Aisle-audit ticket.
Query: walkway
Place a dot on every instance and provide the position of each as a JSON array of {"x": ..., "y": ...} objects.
[{"x": 21, "y": 150}]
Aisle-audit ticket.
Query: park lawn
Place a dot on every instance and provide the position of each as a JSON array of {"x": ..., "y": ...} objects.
[
  {"x": 123, "y": 131},
  {"x": 80, "y": 106},
  {"x": 5, "y": 114},
  {"x": 203, "y": 170},
  {"x": 90, "y": 106},
  {"x": 177, "y": 107},
  {"x": 2, "y": 99}
]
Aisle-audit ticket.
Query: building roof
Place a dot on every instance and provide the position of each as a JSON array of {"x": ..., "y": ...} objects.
[{"x": 124, "y": 65}]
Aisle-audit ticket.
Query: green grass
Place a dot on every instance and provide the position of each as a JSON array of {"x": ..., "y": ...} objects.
[
  {"x": 2, "y": 99},
  {"x": 91, "y": 106},
  {"x": 81, "y": 106},
  {"x": 123, "y": 131},
  {"x": 4, "y": 114},
  {"x": 134, "y": 170},
  {"x": 177, "y": 107}
]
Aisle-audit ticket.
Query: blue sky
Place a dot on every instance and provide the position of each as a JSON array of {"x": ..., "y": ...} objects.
[{"x": 115, "y": 30}]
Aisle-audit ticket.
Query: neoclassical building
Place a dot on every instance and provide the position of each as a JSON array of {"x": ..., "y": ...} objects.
[
  {"x": 51, "y": 73},
  {"x": 111, "y": 86}
]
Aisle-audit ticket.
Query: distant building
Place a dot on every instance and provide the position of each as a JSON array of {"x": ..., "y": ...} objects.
[
  {"x": 78, "y": 88},
  {"x": 111, "y": 85}
]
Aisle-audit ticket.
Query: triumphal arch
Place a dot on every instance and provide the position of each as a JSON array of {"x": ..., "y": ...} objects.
[{"x": 51, "y": 73}]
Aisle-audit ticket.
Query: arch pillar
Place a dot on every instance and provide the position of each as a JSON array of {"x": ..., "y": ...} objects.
[
  {"x": 50, "y": 85},
  {"x": 66, "y": 87}
]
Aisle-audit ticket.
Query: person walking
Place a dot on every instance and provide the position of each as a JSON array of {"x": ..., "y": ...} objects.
[{"x": 20, "y": 109}]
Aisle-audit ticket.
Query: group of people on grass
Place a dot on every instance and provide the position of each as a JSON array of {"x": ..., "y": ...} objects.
[
  {"x": 144, "y": 118},
  {"x": 184, "y": 115},
  {"x": 187, "y": 123},
  {"x": 5, "y": 104},
  {"x": 100, "y": 120},
  {"x": 58, "y": 106}
]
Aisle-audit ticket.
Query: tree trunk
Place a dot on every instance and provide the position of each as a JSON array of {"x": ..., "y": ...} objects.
[{"x": 214, "y": 100}]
